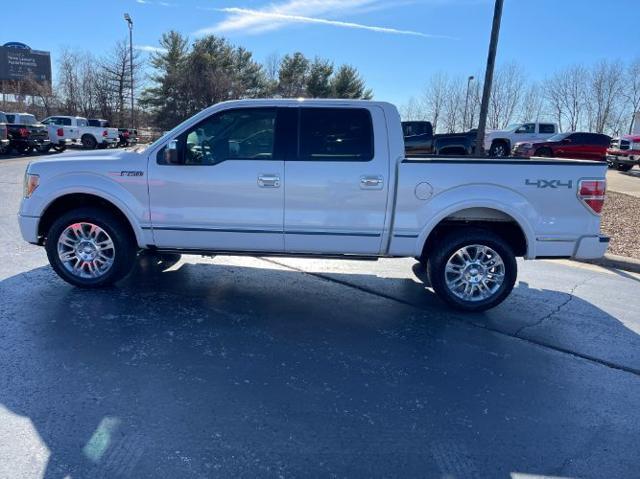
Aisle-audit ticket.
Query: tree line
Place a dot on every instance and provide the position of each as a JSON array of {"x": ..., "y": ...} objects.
[
  {"x": 189, "y": 77},
  {"x": 600, "y": 98}
]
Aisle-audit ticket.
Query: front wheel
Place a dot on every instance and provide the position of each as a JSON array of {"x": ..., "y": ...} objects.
[
  {"x": 499, "y": 150},
  {"x": 623, "y": 167},
  {"x": 90, "y": 248},
  {"x": 472, "y": 269}
]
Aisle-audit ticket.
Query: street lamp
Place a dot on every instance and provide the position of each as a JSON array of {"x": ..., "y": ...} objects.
[
  {"x": 466, "y": 104},
  {"x": 127, "y": 17}
]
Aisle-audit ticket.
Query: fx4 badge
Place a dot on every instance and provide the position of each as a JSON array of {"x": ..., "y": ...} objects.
[
  {"x": 131, "y": 173},
  {"x": 549, "y": 183}
]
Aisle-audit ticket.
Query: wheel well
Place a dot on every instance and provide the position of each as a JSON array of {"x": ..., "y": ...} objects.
[
  {"x": 486, "y": 218},
  {"x": 73, "y": 201},
  {"x": 501, "y": 140}
]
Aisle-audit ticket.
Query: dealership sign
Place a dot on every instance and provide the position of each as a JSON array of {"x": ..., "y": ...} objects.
[{"x": 18, "y": 62}]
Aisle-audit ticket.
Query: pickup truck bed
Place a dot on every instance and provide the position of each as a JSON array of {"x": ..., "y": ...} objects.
[{"x": 312, "y": 178}]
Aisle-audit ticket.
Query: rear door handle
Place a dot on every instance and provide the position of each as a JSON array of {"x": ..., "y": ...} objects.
[
  {"x": 371, "y": 182},
  {"x": 269, "y": 181}
]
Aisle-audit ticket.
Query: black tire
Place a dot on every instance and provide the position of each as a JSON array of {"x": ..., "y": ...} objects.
[
  {"x": 44, "y": 149},
  {"x": 125, "y": 247},
  {"x": 623, "y": 167},
  {"x": 452, "y": 242},
  {"x": 544, "y": 152},
  {"x": 499, "y": 149},
  {"x": 59, "y": 148},
  {"x": 89, "y": 142}
]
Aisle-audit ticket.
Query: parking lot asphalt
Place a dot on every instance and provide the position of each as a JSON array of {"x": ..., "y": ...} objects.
[
  {"x": 263, "y": 367},
  {"x": 627, "y": 182}
]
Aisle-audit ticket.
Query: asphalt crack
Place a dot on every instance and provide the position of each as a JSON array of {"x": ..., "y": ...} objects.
[
  {"x": 484, "y": 326},
  {"x": 560, "y": 307}
]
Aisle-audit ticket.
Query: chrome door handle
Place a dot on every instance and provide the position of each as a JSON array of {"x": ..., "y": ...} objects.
[
  {"x": 371, "y": 182},
  {"x": 269, "y": 181}
]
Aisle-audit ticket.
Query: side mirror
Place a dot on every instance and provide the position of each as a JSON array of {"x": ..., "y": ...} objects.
[{"x": 171, "y": 156}]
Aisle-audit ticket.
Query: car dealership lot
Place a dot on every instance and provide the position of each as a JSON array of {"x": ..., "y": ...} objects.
[{"x": 287, "y": 367}]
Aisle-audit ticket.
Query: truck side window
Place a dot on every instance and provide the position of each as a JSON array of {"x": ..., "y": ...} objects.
[
  {"x": 336, "y": 134},
  {"x": 246, "y": 133},
  {"x": 547, "y": 128},
  {"x": 527, "y": 128}
]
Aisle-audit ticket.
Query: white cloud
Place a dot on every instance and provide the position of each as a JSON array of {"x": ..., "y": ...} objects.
[
  {"x": 149, "y": 48},
  {"x": 276, "y": 16}
]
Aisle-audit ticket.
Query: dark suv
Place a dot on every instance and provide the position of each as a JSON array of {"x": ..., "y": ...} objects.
[{"x": 577, "y": 145}]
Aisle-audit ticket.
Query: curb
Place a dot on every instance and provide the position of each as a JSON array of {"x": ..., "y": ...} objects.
[{"x": 617, "y": 262}]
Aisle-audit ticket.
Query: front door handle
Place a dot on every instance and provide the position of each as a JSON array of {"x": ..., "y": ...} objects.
[
  {"x": 371, "y": 182},
  {"x": 269, "y": 181}
]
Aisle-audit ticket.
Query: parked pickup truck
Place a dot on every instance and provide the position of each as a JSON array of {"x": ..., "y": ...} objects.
[
  {"x": 218, "y": 184},
  {"x": 61, "y": 132},
  {"x": 499, "y": 143},
  {"x": 91, "y": 137},
  {"x": 4, "y": 134},
  {"x": 624, "y": 152},
  {"x": 26, "y": 134},
  {"x": 127, "y": 137},
  {"x": 419, "y": 139}
]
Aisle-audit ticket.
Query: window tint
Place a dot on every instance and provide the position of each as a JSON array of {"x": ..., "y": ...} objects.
[
  {"x": 82, "y": 122},
  {"x": 64, "y": 121},
  {"x": 94, "y": 123},
  {"x": 547, "y": 128},
  {"x": 527, "y": 128},
  {"x": 344, "y": 134},
  {"x": 230, "y": 135},
  {"x": 11, "y": 118}
]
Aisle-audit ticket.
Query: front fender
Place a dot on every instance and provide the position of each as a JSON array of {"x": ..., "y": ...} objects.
[{"x": 124, "y": 193}]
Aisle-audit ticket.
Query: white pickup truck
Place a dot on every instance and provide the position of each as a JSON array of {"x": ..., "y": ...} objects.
[
  {"x": 91, "y": 137},
  {"x": 499, "y": 143},
  {"x": 61, "y": 132},
  {"x": 319, "y": 178}
]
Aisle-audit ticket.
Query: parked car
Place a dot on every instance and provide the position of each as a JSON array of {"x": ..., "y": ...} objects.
[
  {"x": 581, "y": 146},
  {"x": 26, "y": 134},
  {"x": 91, "y": 137},
  {"x": 499, "y": 143},
  {"x": 4, "y": 134},
  {"x": 216, "y": 184},
  {"x": 624, "y": 152},
  {"x": 127, "y": 137},
  {"x": 419, "y": 139},
  {"x": 61, "y": 132}
]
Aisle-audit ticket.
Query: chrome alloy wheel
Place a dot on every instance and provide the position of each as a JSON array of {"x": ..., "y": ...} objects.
[
  {"x": 86, "y": 250},
  {"x": 474, "y": 272}
]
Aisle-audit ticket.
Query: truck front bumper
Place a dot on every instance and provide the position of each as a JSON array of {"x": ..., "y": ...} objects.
[
  {"x": 29, "y": 228},
  {"x": 624, "y": 160},
  {"x": 591, "y": 247}
]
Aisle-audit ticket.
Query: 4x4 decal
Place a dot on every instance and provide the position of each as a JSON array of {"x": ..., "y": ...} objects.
[{"x": 549, "y": 183}]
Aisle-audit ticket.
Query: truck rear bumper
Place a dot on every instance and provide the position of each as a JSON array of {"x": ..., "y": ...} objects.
[
  {"x": 29, "y": 228},
  {"x": 591, "y": 247}
]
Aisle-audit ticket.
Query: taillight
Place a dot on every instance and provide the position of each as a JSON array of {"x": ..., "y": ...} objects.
[
  {"x": 60, "y": 132},
  {"x": 23, "y": 132},
  {"x": 126, "y": 134},
  {"x": 592, "y": 193},
  {"x": 104, "y": 133}
]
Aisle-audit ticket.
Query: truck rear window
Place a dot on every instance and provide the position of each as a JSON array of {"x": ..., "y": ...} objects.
[{"x": 340, "y": 134}]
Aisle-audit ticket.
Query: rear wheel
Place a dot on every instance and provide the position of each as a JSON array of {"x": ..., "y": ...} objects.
[
  {"x": 59, "y": 148},
  {"x": 90, "y": 248},
  {"x": 623, "y": 167},
  {"x": 472, "y": 269},
  {"x": 89, "y": 142},
  {"x": 499, "y": 149}
]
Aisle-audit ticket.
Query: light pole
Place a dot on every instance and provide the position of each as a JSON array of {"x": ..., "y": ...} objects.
[
  {"x": 488, "y": 76},
  {"x": 466, "y": 105},
  {"x": 127, "y": 17}
]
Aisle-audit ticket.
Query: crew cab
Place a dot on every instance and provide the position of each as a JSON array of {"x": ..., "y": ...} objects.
[
  {"x": 499, "y": 143},
  {"x": 314, "y": 178},
  {"x": 583, "y": 146},
  {"x": 61, "y": 132},
  {"x": 419, "y": 139},
  {"x": 624, "y": 152},
  {"x": 4, "y": 134},
  {"x": 26, "y": 133},
  {"x": 91, "y": 137}
]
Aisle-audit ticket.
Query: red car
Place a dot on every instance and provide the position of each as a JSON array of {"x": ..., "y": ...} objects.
[{"x": 581, "y": 146}]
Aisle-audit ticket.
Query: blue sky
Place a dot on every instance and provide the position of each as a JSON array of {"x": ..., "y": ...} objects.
[{"x": 396, "y": 44}]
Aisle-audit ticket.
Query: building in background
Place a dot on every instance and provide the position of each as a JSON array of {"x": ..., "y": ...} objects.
[{"x": 23, "y": 70}]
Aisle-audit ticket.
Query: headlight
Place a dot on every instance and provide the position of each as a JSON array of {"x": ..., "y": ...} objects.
[{"x": 31, "y": 182}]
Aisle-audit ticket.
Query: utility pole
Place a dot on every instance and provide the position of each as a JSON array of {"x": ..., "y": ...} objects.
[
  {"x": 128, "y": 19},
  {"x": 466, "y": 105},
  {"x": 488, "y": 77}
]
